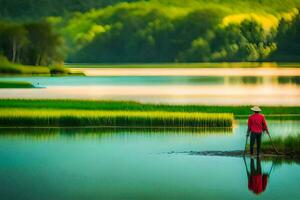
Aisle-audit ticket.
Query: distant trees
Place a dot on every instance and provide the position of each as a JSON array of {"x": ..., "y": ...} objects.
[
  {"x": 13, "y": 38},
  {"x": 147, "y": 31},
  {"x": 33, "y": 9},
  {"x": 246, "y": 41},
  {"x": 196, "y": 37},
  {"x": 31, "y": 43},
  {"x": 288, "y": 40}
]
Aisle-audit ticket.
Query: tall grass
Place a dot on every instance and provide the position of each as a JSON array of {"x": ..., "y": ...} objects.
[
  {"x": 289, "y": 145},
  {"x": 46, "y": 117},
  {"x": 290, "y": 112}
]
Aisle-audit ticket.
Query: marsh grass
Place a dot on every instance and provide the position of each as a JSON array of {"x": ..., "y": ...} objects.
[
  {"x": 15, "y": 84},
  {"x": 240, "y": 112},
  {"x": 73, "y": 118},
  {"x": 289, "y": 145}
]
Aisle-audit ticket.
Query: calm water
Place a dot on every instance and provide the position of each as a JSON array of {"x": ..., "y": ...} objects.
[
  {"x": 98, "y": 164},
  {"x": 264, "y": 88}
]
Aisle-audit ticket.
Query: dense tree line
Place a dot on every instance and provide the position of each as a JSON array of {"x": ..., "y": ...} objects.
[
  {"x": 31, "y": 43},
  {"x": 288, "y": 40},
  {"x": 147, "y": 31},
  {"x": 35, "y": 9},
  {"x": 196, "y": 37}
]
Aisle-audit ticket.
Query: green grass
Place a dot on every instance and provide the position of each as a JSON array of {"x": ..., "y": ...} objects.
[
  {"x": 8, "y": 68},
  {"x": 271, "y": 112},
  {"x": 187, "y": 65},
  {"x": 12, "y": 69},
  {"x": 289, "y": 145},
  {"x": 51, "y": 117},
  {"x": 15, "y": 84}
]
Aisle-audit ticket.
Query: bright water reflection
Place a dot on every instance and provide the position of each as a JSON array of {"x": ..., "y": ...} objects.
[
  {"x": 90, "y": 164},
  {"x": 216, "y": 90}
]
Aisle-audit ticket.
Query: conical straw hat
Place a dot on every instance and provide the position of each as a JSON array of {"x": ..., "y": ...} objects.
[{"x": 256, "y": 109}]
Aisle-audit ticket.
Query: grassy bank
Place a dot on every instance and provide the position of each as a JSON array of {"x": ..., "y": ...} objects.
[
  {"x": 292, "y": 112},
  {"x": 15, "y": 84},
  {"x": 42, "y": 117},
  {"x": 289, "y": 145},
  {"x": 8, "y": 68}
]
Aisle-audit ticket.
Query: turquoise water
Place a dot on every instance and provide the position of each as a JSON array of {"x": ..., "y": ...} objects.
[
  {"x": 156, "y": 80},
  {"x": 97, "y": 164}
]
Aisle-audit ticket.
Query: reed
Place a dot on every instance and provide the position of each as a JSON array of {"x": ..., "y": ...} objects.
[
  {"x": 289, "y": 145},
  {"x": 271, "y": 112},
  {"x": 50, "y": 117}
]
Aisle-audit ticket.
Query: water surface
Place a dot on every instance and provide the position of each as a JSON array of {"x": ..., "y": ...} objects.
[
  {"x": 196, "y": 89},
  {"x": 97, "y": 164}
]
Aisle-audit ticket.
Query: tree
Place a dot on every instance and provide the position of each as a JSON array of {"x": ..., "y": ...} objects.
[
  {"x": 13, "y": 40},
  {"x": 45, "y": 45}
]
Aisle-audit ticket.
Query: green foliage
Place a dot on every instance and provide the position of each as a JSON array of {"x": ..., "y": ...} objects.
[
  {"x": 288, "y": 39},
  {"x": 32, "y": 9},
  {"x": 15, "y": 84},
  {"x": 153, "y": 31},
  {"x": 168, "y": 31},
  {"x": 7, "y": 67},
  {"x": 31, "y": 43},
  {"x": 247, "y": 41},
  {"x": 45, "y": 117},
  {"x": 45, "y": 47}
]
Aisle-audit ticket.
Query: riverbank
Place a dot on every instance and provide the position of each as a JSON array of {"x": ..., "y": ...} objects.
[
  {"x": 186, "y": 70},
  {"x": 187, "y": 65},
  {"x": 239, "y": 112}
]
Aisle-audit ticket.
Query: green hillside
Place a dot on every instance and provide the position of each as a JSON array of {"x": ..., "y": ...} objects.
[{"x": 169, "y": 30}]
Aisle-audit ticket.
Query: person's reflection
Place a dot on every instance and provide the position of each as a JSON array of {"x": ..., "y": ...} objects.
[{"x": 257, "y": 181}]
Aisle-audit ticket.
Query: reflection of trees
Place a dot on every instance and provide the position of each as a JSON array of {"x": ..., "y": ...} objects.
[
  {"x": 256, "y": 80},
  {"x": 289, "y": 80},
  {"x": 245, "y": 80}
]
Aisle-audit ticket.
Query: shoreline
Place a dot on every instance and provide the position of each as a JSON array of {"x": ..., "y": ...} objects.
[{"x": 120, "y": 71}]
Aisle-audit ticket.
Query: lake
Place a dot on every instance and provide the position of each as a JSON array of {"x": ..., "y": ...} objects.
[
  {"x": 225, "y": 86},
  {"x": 136, "y": 164}
]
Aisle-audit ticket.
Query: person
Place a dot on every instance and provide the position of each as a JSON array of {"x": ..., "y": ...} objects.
[
  {"x": 257, "y": 181},
  {"x": 256, "y": 126}
]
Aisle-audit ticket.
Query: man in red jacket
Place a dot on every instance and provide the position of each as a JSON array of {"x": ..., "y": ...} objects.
[{"x": 256, "y": 125}]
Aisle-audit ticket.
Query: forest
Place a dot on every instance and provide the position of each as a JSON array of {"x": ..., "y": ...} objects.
[{"x": 149, "y": 31}]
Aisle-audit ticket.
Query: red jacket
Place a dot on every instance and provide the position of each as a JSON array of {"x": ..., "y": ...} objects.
[
  {"x": 257, "y": 123},
  {"x": 258, "y": 183}
]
